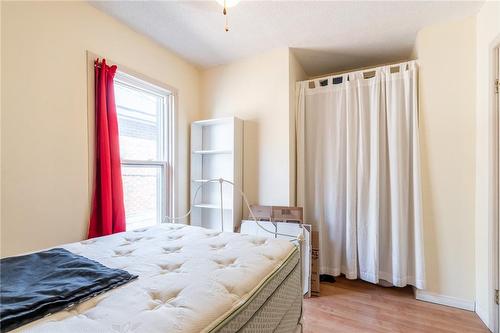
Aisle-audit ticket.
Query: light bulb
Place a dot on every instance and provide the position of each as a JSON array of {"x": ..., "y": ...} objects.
[{"x": 229, "y": 3}]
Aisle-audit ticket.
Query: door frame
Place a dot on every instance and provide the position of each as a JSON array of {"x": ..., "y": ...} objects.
[{"x": 494, "y": 225}]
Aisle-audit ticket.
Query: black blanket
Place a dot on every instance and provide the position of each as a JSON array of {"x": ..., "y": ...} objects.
[{"x": 35, "y": 285}]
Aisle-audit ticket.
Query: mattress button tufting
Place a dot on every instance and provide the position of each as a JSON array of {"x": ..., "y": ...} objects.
[
  {"x": 158, "y": 300},
  {"x": 132, "y": 239},
  {"x": 217, "y": 246},
  {"x": 168, "y": 268},
  {"x": 123, "y": 253},
  {"x": 176, "y": 237},
  {"x": 173, "y": 249},
  {"x": 223, "y": 263}
]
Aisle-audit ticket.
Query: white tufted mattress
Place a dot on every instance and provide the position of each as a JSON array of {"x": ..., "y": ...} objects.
[{"x": 190, "y": 280}]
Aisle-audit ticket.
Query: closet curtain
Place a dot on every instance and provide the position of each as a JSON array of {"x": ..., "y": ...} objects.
[
  {"x": 108, "y": 209},
  {"x": 358, "y": 173}
]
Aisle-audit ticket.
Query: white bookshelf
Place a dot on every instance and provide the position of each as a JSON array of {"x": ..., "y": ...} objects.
[{"x": 217, "y": 152}]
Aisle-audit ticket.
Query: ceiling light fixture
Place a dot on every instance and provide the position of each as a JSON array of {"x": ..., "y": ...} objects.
[{"x": 227, "y": 4}]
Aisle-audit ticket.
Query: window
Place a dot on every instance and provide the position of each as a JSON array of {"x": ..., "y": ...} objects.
[{"x": 145, "y": 119}]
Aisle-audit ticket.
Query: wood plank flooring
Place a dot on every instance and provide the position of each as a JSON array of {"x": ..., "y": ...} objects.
[{"x": 356, "y": 306}]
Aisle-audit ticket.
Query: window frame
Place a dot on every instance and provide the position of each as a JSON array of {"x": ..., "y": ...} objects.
[{"x": 167, "y": 141}]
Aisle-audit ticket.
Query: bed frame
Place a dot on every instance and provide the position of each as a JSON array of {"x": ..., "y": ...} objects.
[{"x": 241, "y": 322}]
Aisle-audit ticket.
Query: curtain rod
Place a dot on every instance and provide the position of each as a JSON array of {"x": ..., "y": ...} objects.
[{"x": 358, "y": 69}]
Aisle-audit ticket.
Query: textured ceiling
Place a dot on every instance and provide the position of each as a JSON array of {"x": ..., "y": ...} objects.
[{"x": 325, "y": 35}]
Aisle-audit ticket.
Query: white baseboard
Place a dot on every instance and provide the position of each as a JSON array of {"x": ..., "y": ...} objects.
[
  {"x": 455, "y": 302},
  {"x": 484, "y": 316}
]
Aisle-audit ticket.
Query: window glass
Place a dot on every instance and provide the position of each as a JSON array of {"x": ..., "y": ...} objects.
[
  {"x": 142, "y": 110},
  {"x": 142, "y": 195},
  {"x": 139, "y": 121}
]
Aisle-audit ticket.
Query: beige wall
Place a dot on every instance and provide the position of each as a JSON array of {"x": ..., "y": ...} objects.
[
  {"x": 446, "y": 55},
  {"x": 296, "y": 73},
  {"x": 487, "y": 36},
  {"x": 44, "y": 152},
  {"x": 256, "y": 90}
]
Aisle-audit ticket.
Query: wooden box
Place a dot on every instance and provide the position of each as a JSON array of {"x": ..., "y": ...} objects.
[
  {"x": 315, "y": 260},
  {"x": 315, "y": 240},
  {"x": 315, "y": 272},
  {"x": 315, "y": 285}
]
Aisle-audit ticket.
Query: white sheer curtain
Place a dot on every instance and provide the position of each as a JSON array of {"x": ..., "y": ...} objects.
[{"x": 358, "y": 173}]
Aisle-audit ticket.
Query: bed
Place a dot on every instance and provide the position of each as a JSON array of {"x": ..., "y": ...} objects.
[{"x": 191, "y": 279}]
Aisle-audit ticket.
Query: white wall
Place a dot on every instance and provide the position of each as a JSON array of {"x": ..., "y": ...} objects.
[
  {"x": 446, "y": 55},
  {"x": 44, "y": 151},
  {"x": 487, "y": 35},
  {"x": 1, "y": 2},
  {"x": 256, "y": 90}
]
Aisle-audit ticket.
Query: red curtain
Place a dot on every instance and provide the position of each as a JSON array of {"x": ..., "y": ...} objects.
[{"x": 108, "y": 211}]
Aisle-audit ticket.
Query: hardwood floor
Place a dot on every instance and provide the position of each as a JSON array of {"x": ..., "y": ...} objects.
[{"x": 356, "y": 306}]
